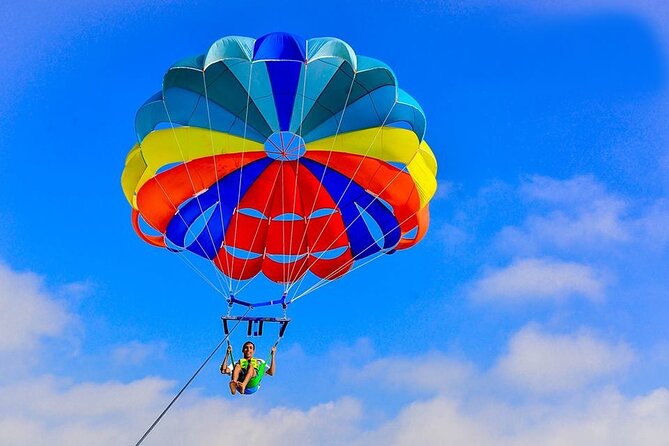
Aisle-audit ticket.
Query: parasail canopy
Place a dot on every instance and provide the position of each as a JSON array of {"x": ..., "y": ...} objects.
[{"x": 280, "y": 156}]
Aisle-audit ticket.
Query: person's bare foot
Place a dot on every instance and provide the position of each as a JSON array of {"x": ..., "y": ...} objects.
[
  {"x": 242, "y": 389},
  {"x": 233, "y": 387}
]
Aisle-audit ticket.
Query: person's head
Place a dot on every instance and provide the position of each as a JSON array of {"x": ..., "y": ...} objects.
[{"x": 248, "y": 349}]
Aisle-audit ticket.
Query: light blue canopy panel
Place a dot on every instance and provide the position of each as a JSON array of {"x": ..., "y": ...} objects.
[{"x": 254, "y": 88}]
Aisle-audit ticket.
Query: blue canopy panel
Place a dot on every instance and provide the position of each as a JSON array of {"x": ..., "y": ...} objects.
[
  {"x": 284, "y": 55},
  {"x": 216, "y": 205},
  {"x": 284, "y": 77},
  {"x": 280, "y": 46},
  {"x": 149, "y": 115},
  {"x": 354, "y": 201}
]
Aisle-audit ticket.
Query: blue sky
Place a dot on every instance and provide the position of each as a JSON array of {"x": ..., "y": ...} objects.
[{"x": 534, "y": 310}]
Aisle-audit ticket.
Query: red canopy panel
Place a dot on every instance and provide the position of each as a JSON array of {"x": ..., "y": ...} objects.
[{"x": 159, "y": 198}]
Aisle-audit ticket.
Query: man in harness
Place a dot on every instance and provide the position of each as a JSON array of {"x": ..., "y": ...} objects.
[{"x": 249, "y": 371}]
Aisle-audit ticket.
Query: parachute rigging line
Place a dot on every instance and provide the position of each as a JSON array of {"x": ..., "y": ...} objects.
[
  {"x": 326, "y": 280},
  {"x": 241, "y": 167},
  {"x": 190, "y": 179},
  {"x": 239, "y": 287},
  {"x": 327, "y": 163},
  {"x": 197, "y": 271},
  {"x": 291, "y": 270},
  {"x": 190, "y": 231},
  {"x": 350, "y": 181},
  {"x": 176, "y": 397},
  {"x": 213, "y": 155}
]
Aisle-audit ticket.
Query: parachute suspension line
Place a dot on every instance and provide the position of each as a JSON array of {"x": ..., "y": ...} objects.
[
  {"x": 218, "y": 189},
  {"x": 187, "y": 261},
  {"x": 336, "y": 135},
  {"x": 176, "y": 397},
  {"x": 327, "y": 162},
  {"x": 388, "y": 184},
  {"x": 241, "y": 168},
  {"x": 291, "y": 269},
  {"x": 190, "y": 179},
  {"x": 239, "y": 287},
  {"x": 283, "y": 227},
  {"x": 377, "y": 240},
  {"x": 351, "y": 177},
  {"x": 326, "y": 280},
  {"x": 350, "y": 181},
  {"x": 180, "y": 252}
]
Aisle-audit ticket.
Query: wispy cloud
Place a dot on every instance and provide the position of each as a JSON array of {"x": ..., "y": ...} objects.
[
  {"x": 576, "y": 214},
  {"x": 136, "y": 352},
  {"x": 543, "y": 362},
  {"x": 579, "y": 216},
  {"x": 404, "y": 374},
  {"x": 444, "y": 190},
  {"x": 28, "y": 312},
  {"x": 536, "y": 279}
]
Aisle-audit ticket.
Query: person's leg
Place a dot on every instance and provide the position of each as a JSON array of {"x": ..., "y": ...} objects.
[
  {"x": 235, "y": 378},
  {"x": 250, "y": 374}
]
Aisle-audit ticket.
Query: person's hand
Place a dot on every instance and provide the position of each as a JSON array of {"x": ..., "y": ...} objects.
[
  {"x": 273, "y": 350},
  {"x": 229, "y": 349}
]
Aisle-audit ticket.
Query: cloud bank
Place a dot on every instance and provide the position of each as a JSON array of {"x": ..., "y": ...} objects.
[{"x": 552, "y": 388}]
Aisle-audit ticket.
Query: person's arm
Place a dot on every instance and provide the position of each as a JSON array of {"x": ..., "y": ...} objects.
[
  {"x": 224, "y": 364},
  {"x": 272, "y": 366}
]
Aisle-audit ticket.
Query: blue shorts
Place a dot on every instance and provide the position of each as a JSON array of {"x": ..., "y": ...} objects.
[{"x": 250, "y": 390}]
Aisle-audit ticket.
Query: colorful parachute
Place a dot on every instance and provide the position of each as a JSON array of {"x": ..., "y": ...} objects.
[{"x": 280, "y": 156}]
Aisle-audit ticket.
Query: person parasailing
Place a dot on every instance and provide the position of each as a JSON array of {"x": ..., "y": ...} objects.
[{"x": 248, "y": 372}]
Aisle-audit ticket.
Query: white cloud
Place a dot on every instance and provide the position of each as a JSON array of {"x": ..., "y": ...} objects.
[
  {"x": 653, "y": 226},
  {"x": 27, "y": 311},
  {"x": 114, "y": 413},
  {"x": 579, "y": 190},
  {"x": 466, "y": 404},
  {"x": 437, "y": 373},
  {"x": 600, "y": 419},
  {"x": 556, "y": 363},
  {"x": 437, "y": 421},
  {"x": 136, "y": 352},
  {"x": 577, "y": 214},
  {"x": 464, "y": 407},
  {"x": 451, "y": 234},
  {"x": 444, "y": 190},
  {"x": 536, "y": 279},
  {"x": 85, "y": 413}
]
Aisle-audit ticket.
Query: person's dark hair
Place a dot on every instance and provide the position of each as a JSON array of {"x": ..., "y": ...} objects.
[{"x": 249, "y": 342}]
